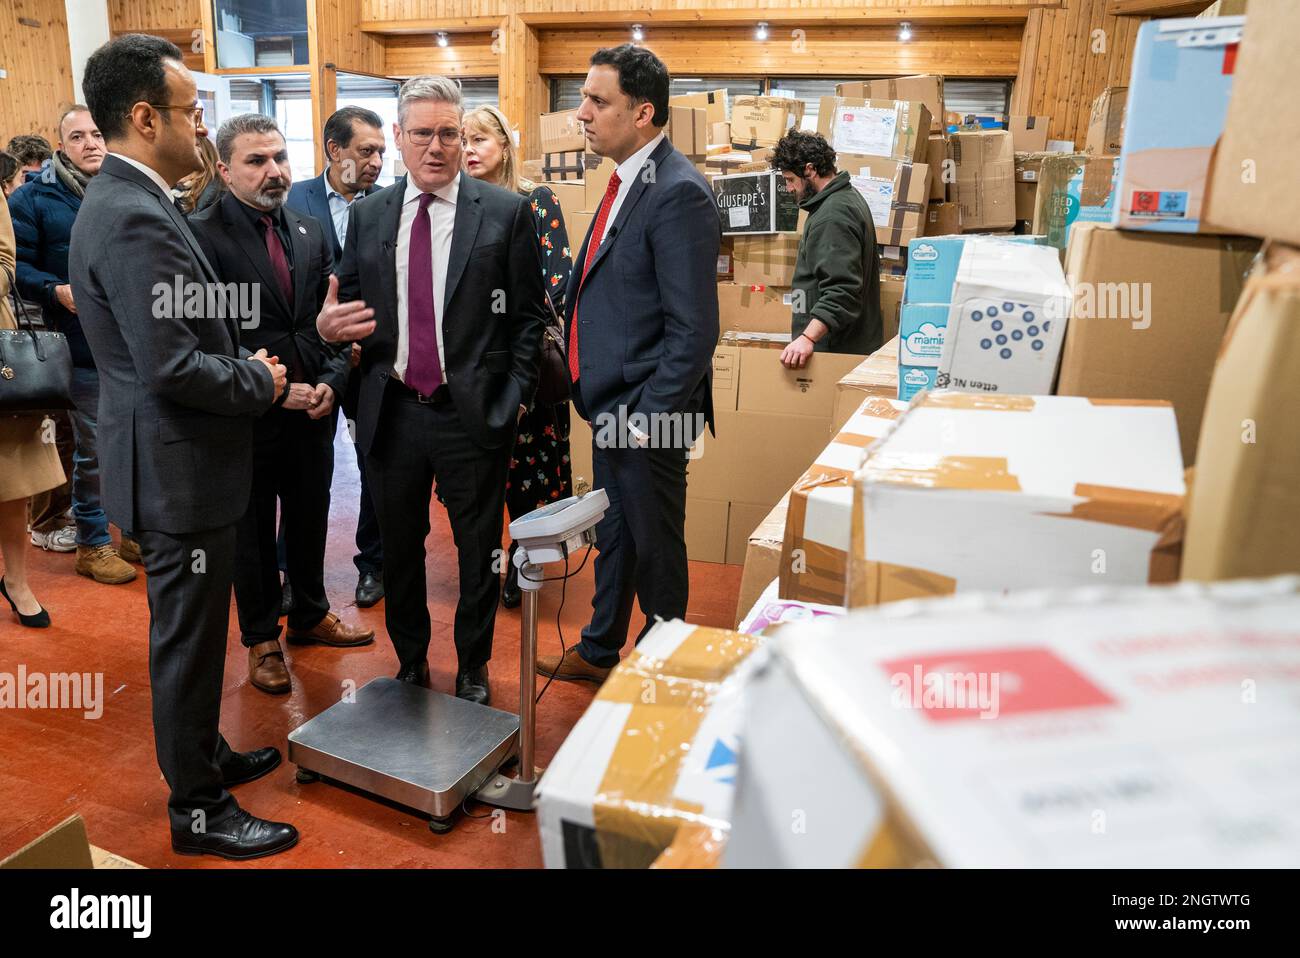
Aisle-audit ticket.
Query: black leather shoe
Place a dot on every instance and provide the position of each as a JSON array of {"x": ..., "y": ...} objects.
[
  {"x": 239, "y": 837},
  {"x": 370, "y": 589},
  {"x": 472, "y": 685},
  {"x": 417, "y": 674},
  {"x": 286, "y": 597},
  {"x": 510, "y": 594},
  {"x": 248, "y": 766}
]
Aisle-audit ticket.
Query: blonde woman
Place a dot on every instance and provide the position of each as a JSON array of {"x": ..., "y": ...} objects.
[
  {"x": 28, "y": 465},
  {"x": 540, "y": 471},
  {"x": 200, "y": 190}
]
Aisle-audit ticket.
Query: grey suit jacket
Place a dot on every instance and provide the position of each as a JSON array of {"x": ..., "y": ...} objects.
[{"x": 177, "y": 397}]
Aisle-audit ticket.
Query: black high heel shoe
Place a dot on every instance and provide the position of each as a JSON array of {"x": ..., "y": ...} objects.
[{"x": 41, "y": 620}]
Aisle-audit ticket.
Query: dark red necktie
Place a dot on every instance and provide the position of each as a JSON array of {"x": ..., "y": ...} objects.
[
  {"x": 423, "y": 373},
  {"x": 279, "y": 261},
  {"x": 597, "y": 234}
]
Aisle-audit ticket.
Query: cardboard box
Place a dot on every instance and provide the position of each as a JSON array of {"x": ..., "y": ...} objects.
[
  {"x": 596, "y": 182},
  {"x": 762, "y": 557},
  {"x": 688, "y": 130},
  {"x": 1010, "y": 304},
  {"x": 765, "y": 260},
  {"x": 720, "y": 137},
  {"x": 758, "y": 121},
  {"x": 942, "y": 219},
  {"x": 673, "y": 705},
  {"x": 891, "y": 304},
  {"x": 894, "y": 129},
  {"x": 729, "y": 162},
  {"x": 725, "y": 260},
  {"x": 573, "y": 165},
  {"x": 815, "y": 553},
  {"x": 572, "y": 195},
  {"x": 985, "y": 187},
  {"x": 920, "y": 346},
  {"x": 936, "y": 155},
  {"x": 754, "y": 309},
  {"x": 1086, "y": 729},
  {"x": 874, "y": 377},
  {"x": 758, "y": 202},
  {"x": 1252, "y": 187},
  {"x": 578, "y": 225},
  {"x": 926, "y": 87},
  {"x": 932, "y": 266},
  {"x": 532, "y": 170},
  {"x": 1073, "y": 188},
  {"x": 561, "y": 132},
  {"x": 1244, "y": 518},
  {"x": 1028, "y": 174},
  {"x": 712, "y": 102},
  {"x": 1148, "y": 317},
  {"x": 999, "y": 493},
  {"x": 755, "y": 456},
  {"x": 771, "y": 613},
  {"x": 1029, "y": 133},
  {"x": 706, "y": 529},
  {"x": 896, "y": 193},
  {"x": 1105, "y": 135},
  {"x": 1177, "y": 105},
  {"x": 741, "y": 521}
]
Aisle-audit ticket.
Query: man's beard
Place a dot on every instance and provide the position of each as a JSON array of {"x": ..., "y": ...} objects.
[{"x": 268, "y": 200}]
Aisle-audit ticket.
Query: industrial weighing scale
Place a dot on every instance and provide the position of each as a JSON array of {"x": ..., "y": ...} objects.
[{"x": 428, "y": 750}]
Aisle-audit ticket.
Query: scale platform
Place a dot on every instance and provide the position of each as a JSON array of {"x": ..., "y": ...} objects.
[{"x": 405, "y": 743}]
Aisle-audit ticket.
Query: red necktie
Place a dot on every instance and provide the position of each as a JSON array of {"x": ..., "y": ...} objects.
[
  {"x": 597, "y": 234},
  {"x": 279, "y": 262}
]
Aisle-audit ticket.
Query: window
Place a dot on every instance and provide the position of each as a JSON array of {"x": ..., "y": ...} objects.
[
  {"x": 288, "y": 100},
  {"x": 377, "y": 95},
  {"x": 261, "y": 33},
  {"x": 978, "y": 97}
]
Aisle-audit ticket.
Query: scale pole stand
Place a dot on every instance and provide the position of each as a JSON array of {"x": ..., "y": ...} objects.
[{"x": 517, "y": 793}]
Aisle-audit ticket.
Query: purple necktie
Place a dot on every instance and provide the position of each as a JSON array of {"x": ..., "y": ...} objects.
[{"x": 423, "y": 373}]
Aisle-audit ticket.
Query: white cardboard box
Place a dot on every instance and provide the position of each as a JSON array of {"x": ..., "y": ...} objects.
[
  {"x": 1147, "y": 727},
  {"x": 974, "y": 492}
]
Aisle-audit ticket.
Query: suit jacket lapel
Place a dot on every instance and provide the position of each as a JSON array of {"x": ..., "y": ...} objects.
[
  {"x": 390, "y": 220},
  {"x": 253, "y": 246},
  {"x": 301, "y": 255},
  {"x": 639, "y": 185},
  {"x": 468, "y": 216}
]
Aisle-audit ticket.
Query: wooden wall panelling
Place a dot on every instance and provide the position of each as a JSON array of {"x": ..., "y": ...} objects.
[
  {"x": 39, "y": 66},
  {"x": 146, "y": 16},
  {"x": 417, "y": 9},
  {"x": 524, "y": 94},
  {"x": 467, "y": 55}
]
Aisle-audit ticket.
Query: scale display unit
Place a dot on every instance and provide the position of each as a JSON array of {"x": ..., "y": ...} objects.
[{"x": 428, "y": 750}]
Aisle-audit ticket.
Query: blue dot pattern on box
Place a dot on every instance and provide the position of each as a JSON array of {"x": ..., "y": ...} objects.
[{"x": 1001, "y": 341}]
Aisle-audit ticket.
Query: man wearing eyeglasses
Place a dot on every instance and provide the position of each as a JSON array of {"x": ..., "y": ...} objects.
[
  {"x": 451, "y": 271},
  {"x": 178, "y": 397}
]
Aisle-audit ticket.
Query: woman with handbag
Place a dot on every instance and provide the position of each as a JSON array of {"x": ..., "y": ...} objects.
[
  {"x": 28, "y": 463},
  {"x": 540, "y": 470}
]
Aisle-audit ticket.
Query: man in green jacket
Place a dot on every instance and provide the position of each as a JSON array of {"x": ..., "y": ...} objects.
[{"x": 836, "y": 286}]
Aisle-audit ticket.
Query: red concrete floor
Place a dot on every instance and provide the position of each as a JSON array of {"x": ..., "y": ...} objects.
[{"x": 54, "y": 763}]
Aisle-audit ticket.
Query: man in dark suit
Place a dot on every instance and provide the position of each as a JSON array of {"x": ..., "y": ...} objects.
[
  {"x": 452, "y": 271},
  {"x": 253, "y": 241},
  {"x": 178, "y": 396},
  {"x": 354, "y": 143},
  {"x": 642, "y": 325}
]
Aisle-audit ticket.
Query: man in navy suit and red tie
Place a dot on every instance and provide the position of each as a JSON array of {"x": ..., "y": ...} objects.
[{"x": 642, "y": 326}]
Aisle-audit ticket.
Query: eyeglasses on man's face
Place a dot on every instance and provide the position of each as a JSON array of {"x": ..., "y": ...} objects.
[
  {"x": 195, "y": 110},
  {"x": 448, "y": 136}
]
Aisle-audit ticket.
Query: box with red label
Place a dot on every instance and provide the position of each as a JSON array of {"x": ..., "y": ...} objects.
[
  {"x": 1098, "y": 728},
  {"x": 1177, "y": 105}
]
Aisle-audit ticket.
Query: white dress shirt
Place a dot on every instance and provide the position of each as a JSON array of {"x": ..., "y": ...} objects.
[
  {"x": 627, "y": 172},
  {"x": 340, "y": 207},
  {"x": 148, "y": 171},
  {"x": 442, "y": 219}
]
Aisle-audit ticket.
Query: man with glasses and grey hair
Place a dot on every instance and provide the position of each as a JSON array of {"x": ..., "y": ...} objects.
[{"x": 441, "y": 283}]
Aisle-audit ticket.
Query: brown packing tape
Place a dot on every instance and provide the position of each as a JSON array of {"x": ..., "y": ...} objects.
[
  {"x": 797, "y": 584},
  {"x": 890, "y": 847},
  {"x": 954, "y": 400},
  {"x": 889, "y": 582},
  {"x": 989, "y": 473},
  {"x": 823, "y": 577}
]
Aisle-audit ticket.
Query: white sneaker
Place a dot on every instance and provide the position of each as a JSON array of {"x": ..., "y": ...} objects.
[{"x": 60, "y": 540}]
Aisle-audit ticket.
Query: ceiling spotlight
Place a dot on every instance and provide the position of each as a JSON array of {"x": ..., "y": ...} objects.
[
  {"x": 760, "y": 33},
  {"x": 442, "y": 39},
  {"x": 637, "y": 33},
  {"x": 905, "y": 31}
]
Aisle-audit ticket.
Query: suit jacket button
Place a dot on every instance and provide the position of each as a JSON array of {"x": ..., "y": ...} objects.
[{"x": 383, "y": 375}]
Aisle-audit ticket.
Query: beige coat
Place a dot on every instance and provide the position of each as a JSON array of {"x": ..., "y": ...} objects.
[{"x": 28, "y": 463}]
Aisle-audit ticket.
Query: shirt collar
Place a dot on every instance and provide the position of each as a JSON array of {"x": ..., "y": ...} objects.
[
  {"x": 148, "y": 171},
  {"x": 632, "y": 165},
  {"x": 448, "y": 192},
  {"x": 255, "y": 215}
]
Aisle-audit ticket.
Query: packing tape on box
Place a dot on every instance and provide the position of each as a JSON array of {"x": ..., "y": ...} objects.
[
  {"x": 1137, "y": 509},
  {"x": 950, "y": 472},
  {"x": 635, "y": 812},
  {"x": 898, "y": 210}
]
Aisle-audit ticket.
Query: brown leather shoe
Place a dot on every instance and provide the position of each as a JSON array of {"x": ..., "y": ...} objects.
[
  {"x": 129, "y": 550},
  {"x": 102, "y": 564},
  {"x": 266, "y": 668},
  {"x": 332, "y": 630},
  {"x": 570, "y": 667}
]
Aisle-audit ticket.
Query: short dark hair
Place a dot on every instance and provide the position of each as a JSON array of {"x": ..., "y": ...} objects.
[
  {"x": 798, "y": 148},
  {"x": 641, "y": 76},
  {"x": 29, "y": 148},
  {"x": 237, "y": 126},
  {"x": 338, "y": 128},
  {"x": 123, "y": 72},
  {"x": 9, "y": 165},
  {"x": 75, "y": 108}
]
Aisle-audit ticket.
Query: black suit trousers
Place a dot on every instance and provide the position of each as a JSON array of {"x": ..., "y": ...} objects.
[
  {"x": 189, "y": 577},
  {"x": 293, "y": 464},
  {"x": 641, "y": 545},
  {"x": 370, "y": 545},
  {"x": 416, "y": 446}
]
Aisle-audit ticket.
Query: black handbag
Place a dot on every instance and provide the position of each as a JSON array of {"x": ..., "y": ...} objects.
[
  {"x": 35, "y": 365},
  {"x": 553, "y": 383}
]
